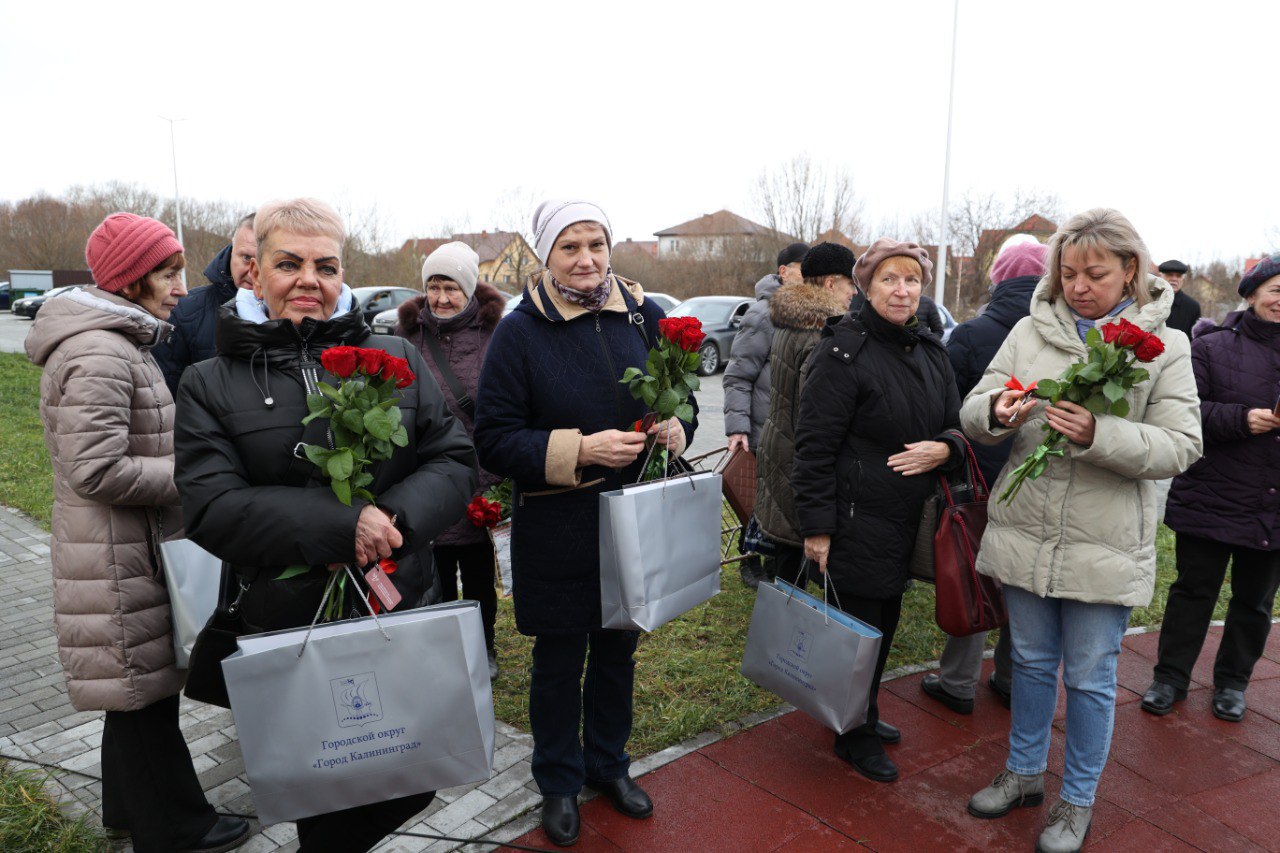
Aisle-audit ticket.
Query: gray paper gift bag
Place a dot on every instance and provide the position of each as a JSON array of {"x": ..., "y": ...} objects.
[
  {"x": 366, "y": 713},
  {"x": 659, "y": 550},
  {"x": 192, "y": 576},
  {"x": 816, "y": 657}
]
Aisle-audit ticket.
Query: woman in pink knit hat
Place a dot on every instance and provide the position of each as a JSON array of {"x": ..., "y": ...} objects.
[{"x": 108, "y": 421}]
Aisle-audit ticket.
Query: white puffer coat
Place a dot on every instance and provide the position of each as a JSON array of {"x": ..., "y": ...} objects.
[{"x": 1085, "y": 530}]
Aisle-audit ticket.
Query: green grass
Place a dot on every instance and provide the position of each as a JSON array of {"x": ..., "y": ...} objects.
[
  {"x": 26, "y": 480},
  {"x": 687, "y": 679},
  {"x": 30, "y": 822}
]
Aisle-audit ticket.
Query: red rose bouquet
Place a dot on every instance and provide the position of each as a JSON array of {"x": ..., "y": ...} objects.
[
  {"x": 1099, "y": 384},
  {"x": 364, "y": 421},
  {"x": 670, "y": 375},
  {"x": 483, "y": 512}
]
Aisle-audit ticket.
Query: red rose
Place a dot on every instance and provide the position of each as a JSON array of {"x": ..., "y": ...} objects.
[
  {"x": 1129, "y": 335},
  {"x": 684, "y": 332},
  {"x": 1110, "y": 332},
  {"x": 340, "y": 361},
  {"x": 398, "y": 369},
  {"x": 483, "y": 512},
  {"x": 371, "y": 361},
  {"x": 1148, "y": 348}
]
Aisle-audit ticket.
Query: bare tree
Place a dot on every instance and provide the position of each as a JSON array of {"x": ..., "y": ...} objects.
[{"x": 802, "y": 199}]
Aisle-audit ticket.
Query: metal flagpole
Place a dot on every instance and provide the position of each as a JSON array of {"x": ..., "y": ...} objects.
[
  {"x": 941, "y": 291},
  {"x": 177, "y": 199}
]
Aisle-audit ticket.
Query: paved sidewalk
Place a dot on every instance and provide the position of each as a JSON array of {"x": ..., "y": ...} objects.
[{"x": 1178, "y": 783}]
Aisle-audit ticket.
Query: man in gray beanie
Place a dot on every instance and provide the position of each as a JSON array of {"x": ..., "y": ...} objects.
[{"x": 746, "y": 378}]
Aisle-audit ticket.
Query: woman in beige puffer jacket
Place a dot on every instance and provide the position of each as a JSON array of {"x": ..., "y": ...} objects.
[
  {"x": 108, "y": 422},
  {"x": 1075, "y": 549}
]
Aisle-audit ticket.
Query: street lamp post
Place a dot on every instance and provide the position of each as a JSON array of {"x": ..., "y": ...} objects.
[
  {"x": 941, "y": 291},
  {"x": 177, "y": 199}
]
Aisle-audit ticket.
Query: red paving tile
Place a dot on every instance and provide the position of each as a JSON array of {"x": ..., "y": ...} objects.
[
  {"x": 1182, "y": 782},
  {"x": 1178, "y": 754},
  {"x": 1138, "y": 835},
  {"x": 819, "y": 839},
  {"x": 1247, "y": 806},
  {"x": 589, "y": 841},
  {"x": 701, "y": 806},
  {"x": 1197, "y": 828}
]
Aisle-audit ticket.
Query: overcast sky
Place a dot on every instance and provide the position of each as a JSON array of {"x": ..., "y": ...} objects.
[{"x": 437, "y": 112}]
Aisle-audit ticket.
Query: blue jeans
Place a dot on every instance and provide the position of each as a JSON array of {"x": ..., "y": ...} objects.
[{"x": 1085, "y": 639}]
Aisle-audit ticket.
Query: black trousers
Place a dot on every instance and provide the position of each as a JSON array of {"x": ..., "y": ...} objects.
[
  {"x": 358, "y": 829},
  {"x": 882, "y": 613},
  {"x": 560, "y": 699},
  {"x": 475, "y": 563},
  {"x": 1202, "y": 566},
  {"x": 149, "y": 784}
]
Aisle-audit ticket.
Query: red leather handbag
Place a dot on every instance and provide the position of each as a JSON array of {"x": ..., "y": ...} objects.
[{"x": 966, "y": 602}]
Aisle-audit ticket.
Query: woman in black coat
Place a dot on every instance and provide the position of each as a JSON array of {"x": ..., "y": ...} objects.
[
  {"x": 875, "y": 409},
  {"x": 1226, "y": 506},
  {"x": 553, "y": 416},
  {"x": 247, "y": 497}
]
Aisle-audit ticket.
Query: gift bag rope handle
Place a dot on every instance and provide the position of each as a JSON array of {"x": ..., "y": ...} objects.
[
  {"x": 826, "y": 615},
  {"x": 666, "y": 466},
  {"x": 328, "y": 591}
]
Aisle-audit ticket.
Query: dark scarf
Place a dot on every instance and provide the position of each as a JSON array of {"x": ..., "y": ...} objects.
[
  {"x": 448, "y": 325},
  {"x": 592, "y": 300}
]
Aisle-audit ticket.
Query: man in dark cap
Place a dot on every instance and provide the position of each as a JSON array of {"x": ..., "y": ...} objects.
[
  {"x": 746, "y": 378},
  {"x": 1185, "y": 310}
]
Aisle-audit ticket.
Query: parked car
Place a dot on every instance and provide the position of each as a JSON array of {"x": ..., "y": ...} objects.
[
  {"x": 30, "y": 306},
  {"x": 665, "y": 301},
  {"x": 6, "y": 296},
  {"x": 374, "y": 300},
  {"x": 721, "y": 316}
]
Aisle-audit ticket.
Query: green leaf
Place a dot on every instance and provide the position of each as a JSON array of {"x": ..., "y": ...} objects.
[
  {"x": 330, "y": 392},
  {"x": 351, "y": 420},
  {"x": 1074, "y": 393},
  {"x": 318, "y": 455},
  {"x": 362, "y": 479},
  {"x": 309, "y": 418},
  {"x": 1097, "y": 404},
  {"x": 1113, "y": 391},
  {"x": 650, "y": 380},
  {"x": 1139, "y": 374},
  {"x": 367, "y": 495},
  {"x": 318, "y": 404},
  {"x": 1120, "y": 408},
  {"x": 1092, "y": 338},
  {"x": 1048, "y": 389},
  {"x": 342, "y": 488},
  {"x": 693, "y": 382},
  {"x": 654, "y": 364},
  {"x": 1091, "y": 372},
  {"x": 400, "y": 438},
  {"x": 339, "y": 466},
  {"x": 378, "y": 424},
  {"x": 292, "y": 572},
  {"x": 395, "y": 416},
  {"x": 666, "y": 403},
  {"x": 631, "y": 373},
  {"x": 382, "y": 447},
  {"x": 649, "y": 394},
  {"x": 684, "y": 412}
]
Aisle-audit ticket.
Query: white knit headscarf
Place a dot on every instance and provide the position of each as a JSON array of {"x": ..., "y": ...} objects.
[{"x": 553, "y": 216}]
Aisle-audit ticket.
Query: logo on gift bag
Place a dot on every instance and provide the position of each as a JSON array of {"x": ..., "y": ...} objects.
[
  {"x": 800, "y": 642},
  {"x": 356, "y": 699}
]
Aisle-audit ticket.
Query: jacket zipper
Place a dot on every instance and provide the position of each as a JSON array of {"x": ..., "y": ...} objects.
[
  {"x": 608, "y": 360},
  {"x": 310, "y": 378}
]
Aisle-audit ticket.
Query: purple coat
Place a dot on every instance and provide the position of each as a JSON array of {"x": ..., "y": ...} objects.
[
  {"x": 1232, "y": 494},
  {"x": 464, "y": 340}
]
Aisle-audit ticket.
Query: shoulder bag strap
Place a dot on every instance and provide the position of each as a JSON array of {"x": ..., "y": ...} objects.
[{"x": 465, "y": 402}]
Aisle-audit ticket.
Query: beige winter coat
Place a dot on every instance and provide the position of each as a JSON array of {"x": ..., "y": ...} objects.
[
  {"x": 1085, "y": 530},
  {"x": 108, "y": 422}
]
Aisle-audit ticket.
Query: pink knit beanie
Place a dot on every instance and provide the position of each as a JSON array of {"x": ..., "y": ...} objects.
[
  {"x": 1018, "y": 260},
  {"x": 125, "y": 247}
]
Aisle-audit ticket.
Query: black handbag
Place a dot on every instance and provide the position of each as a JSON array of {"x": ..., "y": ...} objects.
[{"x": 216, "y": 642}]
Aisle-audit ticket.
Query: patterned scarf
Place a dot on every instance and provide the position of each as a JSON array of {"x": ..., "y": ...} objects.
[
  {"x": 592, "y": 300},
  {"x": 1084, "y": 324}
]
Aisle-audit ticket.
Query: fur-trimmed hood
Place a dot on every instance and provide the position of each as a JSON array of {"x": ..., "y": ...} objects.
[
  {"x": 802, "y": 306},
  {"x": 490, "y": 299}
]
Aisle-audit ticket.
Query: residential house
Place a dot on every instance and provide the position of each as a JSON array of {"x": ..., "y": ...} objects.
[{"x": 716, "y": 235}]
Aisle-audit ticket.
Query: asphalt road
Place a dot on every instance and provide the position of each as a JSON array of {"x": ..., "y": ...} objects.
[{"x": 710, "y": 433}]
